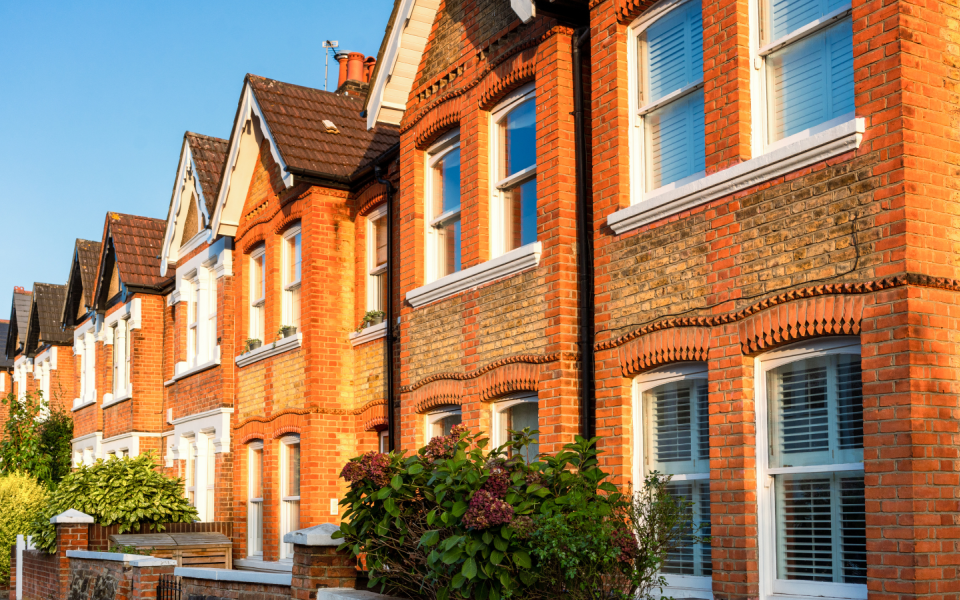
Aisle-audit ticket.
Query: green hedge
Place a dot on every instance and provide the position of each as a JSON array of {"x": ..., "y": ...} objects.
[{"x": 22, "y": 500}]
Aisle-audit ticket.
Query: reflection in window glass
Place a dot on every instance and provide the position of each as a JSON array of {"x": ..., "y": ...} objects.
[
  {"x": 446, "y": 208},
  {"x": 517, "y": 418},
  {"x": 517, "y": 175}
]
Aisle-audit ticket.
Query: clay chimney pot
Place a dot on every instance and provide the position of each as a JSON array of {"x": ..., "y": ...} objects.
[
  {"x": 355, "y": 66},
  {"x": 342, "y": 59}
]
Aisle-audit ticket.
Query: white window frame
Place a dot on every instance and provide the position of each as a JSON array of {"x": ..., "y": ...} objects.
[
  {"x": 292, "y": 286},
  {"x": 211, "y": 345},
  {"x": 678, "y": 586},
  {"x": 257, "y": 327},
  {"x": 286, "y": 550},
  {"x": 498, "y": 184},
  {"x": 439, "y": 415},
  {"x": 383, "y": 441},
  {"x": 373, "y": 271},
  {"x": 770, "y": 586},
  {"x": 190, "y": 472},
  {"x": 209, "y": 478},
  {"x": 119, "y": 335},
  {"x": 432, "y": 223},
  {"x": 636, "y": 142},
  {"x": 503, "y": 404},
  {"x": 193, "y": 322},
  {"x": 758, "y": 84},
  {"x": 253, "y": 523}
]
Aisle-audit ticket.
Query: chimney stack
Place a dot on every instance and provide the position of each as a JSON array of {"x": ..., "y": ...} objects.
[
  {"x": 355, "y": 73},
  {"x": 342, "y": 60}
]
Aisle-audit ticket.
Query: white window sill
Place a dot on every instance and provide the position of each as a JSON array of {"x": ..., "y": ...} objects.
[
  {"x": 78, "y": 403},
  {"x": 267, "y": 350},
  {"x": 374, "y": 332},
  {"x": 110, "y": 399},
  {"x": 185, "y": 371},
  {"x": 688, "y": 586},
  {"x": 809, "y": 148},
  {"x": 515, "y": 261}
]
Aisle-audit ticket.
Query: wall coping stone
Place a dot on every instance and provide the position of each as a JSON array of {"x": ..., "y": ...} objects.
[
  {"x": 71, "y": 516},
  {"x": 318, "y": 535},
  {"x": 350, "y": 594},
  {"x": 232, "y": 575},
  {"x": 134, "y": 560}
]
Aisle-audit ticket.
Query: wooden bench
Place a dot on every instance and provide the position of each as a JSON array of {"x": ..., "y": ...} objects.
[{"x": 204, "y": 550}]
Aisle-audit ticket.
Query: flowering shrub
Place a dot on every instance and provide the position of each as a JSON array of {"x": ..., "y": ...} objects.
[{"x": 457, "y": 522}]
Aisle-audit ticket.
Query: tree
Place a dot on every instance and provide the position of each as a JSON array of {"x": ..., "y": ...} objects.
[{"x": 36, "y": 440}]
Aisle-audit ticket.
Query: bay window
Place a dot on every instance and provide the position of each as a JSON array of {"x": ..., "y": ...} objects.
[
  {"x": 671, "y": 404},
  {"x": 210, "y": 476},
  {"x": 258, "y": 292},
  {"x": 811, "y": 480},
  {"x": 291, "y": 277},
  {"x": 255, "y": 498},
  {"x": 442, "y": 208},
  {"x": 516, "y": 414},
  {"x": 442, "y": 420},
  {"x": 806, "y": 50},
  {"x": 670, "y": 114},
  {"x": 290, "y": 491},
  {"x": 377, "y": 259},
  {"x": 514, "y": 162}
]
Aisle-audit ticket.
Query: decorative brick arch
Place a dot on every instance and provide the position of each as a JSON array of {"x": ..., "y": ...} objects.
[
  {"x": 664, "y": 346},
  {"x": 438, "y": 393},
  {"x": 373, "y": 415},
  {"x": 441, "y": 117},
  {"x": 516, "y": 70},
  {"x": 274, "y": 426},
  {"x": 799, "y": 319},
  {"x": 509, "y": 378}
]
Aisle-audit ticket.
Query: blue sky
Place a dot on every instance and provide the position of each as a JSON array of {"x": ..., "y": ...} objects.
[{"x": 95, "y": 97}]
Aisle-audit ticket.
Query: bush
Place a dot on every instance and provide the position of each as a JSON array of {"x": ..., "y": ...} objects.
[
  {"x": 36, "y": 440},
  {"x": 22, "y": 499},
  {"x": 454, "y": 522},
  {"x": 125, "y": 491}
]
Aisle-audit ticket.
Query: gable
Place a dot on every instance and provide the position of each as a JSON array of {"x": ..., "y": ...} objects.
[
  {"x": 187, "y": 215},
  {"x": 81, "y": 282},
  {"x": 249, "y": 132},
  {"x": 190, "y": 226}
]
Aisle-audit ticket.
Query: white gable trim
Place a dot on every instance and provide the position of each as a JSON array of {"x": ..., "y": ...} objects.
[
  {"x": 249, "y": 108},
  {"x": 408, "y": 37},
  {"x": 170, "y": 252}
]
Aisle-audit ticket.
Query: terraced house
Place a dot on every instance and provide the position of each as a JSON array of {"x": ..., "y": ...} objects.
[{"x": 719, "y": 236}]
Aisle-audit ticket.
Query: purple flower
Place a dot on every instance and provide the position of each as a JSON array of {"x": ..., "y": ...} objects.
[
  {"x": 498, "y": 483},
  {"x": 626, "y": 541},
  {"x": 486, "y": 510},
  {"x": 372, "y": 466}
]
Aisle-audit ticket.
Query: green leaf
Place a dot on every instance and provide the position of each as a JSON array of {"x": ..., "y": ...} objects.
[
  {"x": 459, "y": 508},
  {"x": 522, "y": 559},
  {"x": 495, "y": 557},
  {"x": 500, "y": 544},
  {"x": 469, "y": 568},
  {"x": 451, "y": 556},
  {"x": 415, "y": 469},
  {"x": 397, "y": 482},
  {"x": 430, "y": 538}
]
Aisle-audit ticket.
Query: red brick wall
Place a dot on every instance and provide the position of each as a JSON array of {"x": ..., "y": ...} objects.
[
  {"x": 206, "y": 588},
  {"x": 90, "y": 578}
]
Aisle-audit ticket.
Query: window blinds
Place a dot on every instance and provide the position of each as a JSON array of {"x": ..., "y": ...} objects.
[
  {"x": 673, "y": 133},
  {"x": 691, "y": 557},
  {"x": 818, "y": 412},
  {"x": 680, "y": 427},
  {"x": 787, "y": 16},
  {"x": 821, "y": 528}
]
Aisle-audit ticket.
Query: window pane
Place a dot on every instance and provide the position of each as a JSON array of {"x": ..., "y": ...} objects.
[
  {"x": 810, "y": 81},
  {"x": 258, "y": 285},
  {"x": 380, "y": 233},
  {"x": 293, "y": 260},
  {"x": 816, "y": 414},
  {"x": 786, "y": 16},
  {"x": 446, "y": 183},
  {"x": 519, "y": 138},
  {"x": 384, "y": 442},
  {"x": 210, "y": 508},
  {"x": 692, "y": 558},
  {"x": 295, "y": 307},
  {"x": 293, "y": 516},
  {"x": 380, "y": 291},
  {"x": 674, "y": 136},
  {"x": 674, "y": 51},
  {"x": 678, "y": 428},
  {"x": 293, "y": 470},
  {"x": 256, "y": 527},
  {"x": 821, "y": 533},
  {"x": 449, "y": 259},
  {"x": 443, "y": 426},
  {"x": 211, "y": 462},
  {"x": 256, "y": 474},
  {"x": 517, "y": 418},
  {"x": 520, "y": 215}
]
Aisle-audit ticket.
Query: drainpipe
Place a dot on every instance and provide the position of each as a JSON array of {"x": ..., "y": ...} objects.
[
  {"x": 585, "y": 293},
  {"x": 388, "y": 345}
]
